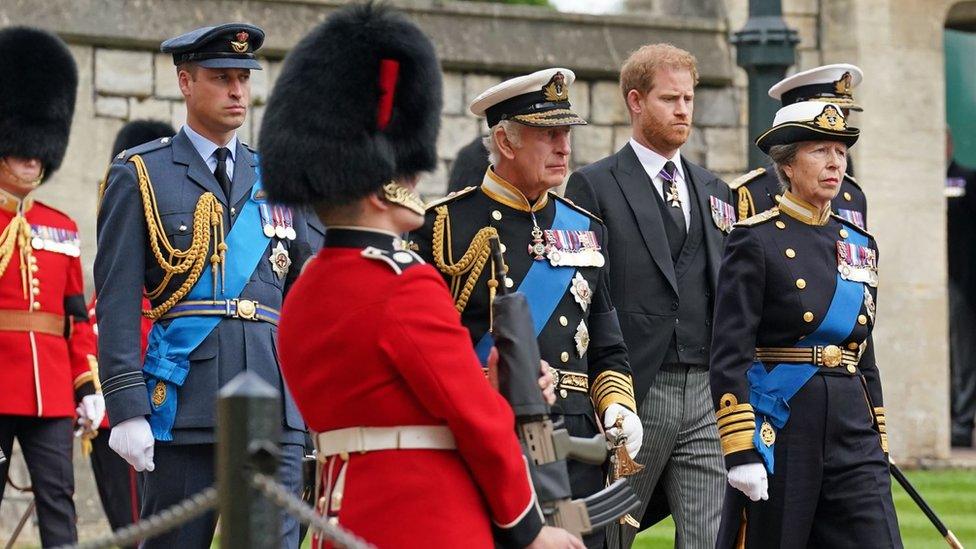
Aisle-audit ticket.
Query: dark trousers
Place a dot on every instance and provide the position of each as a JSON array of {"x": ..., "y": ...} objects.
[
  {"x": 962, "y": 365},
  {"x": 187, "y": 469},
  {"x": 46, "y": 443},
  {"x": 585, "y": 479},
  {"x": 831, "y": 486},
  {"x": 119, "y": 487}
]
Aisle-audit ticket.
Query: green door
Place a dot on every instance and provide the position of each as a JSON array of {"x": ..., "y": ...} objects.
[{"x": 960, "y": 74}]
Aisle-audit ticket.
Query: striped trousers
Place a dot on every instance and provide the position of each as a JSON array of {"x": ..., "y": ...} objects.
[{"x": 681, "y": 450}]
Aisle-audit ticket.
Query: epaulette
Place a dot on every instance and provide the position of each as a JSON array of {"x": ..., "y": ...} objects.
[
  {"x": 398, "y": 260},
  {"x": 450, "y": 197},
  {"x": 853, "y": 181},
  {"x": 745, "y": 178},
  {"x": 851, "y": 224},
  {"x": 153, "y": 145},
  {"x": 761, "y": 217},
  {"x": 573, "y": 205}
]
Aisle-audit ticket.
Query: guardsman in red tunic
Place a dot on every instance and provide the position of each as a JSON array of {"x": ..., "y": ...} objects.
[
  {"x": 415, "y": 447},
  {"x": 118, "y": 483},
  {"x": 47, "y": 343}
]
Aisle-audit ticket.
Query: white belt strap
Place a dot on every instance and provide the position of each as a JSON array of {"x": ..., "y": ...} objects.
[{"x": 370, "y": 439}]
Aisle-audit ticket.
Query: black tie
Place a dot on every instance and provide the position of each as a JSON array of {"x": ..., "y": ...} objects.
[
  {"x": 669, "y": 175},
  {"x": 220, "y": 172}
]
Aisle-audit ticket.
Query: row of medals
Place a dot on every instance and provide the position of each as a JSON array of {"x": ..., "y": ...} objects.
[{"x": 539, "y": 249}]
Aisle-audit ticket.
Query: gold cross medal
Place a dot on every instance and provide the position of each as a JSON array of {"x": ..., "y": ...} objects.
[
  {"x": 279, "y": 260},
  {"x": 538, "y": 247},
  {"x": 582, "y": 338}
]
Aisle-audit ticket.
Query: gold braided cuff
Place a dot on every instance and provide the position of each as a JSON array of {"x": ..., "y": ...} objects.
[
  {"x": 612, "y": 387},
  {"x": 736, "y": 424},
  {"x": 83, "y": 378},
  {"x": 879, "y": 418}
]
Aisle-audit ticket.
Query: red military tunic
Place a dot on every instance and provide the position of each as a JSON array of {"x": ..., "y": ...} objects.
[
  {"x": 145, "y": 326},
  {"x": 376, "y": 342},
  {"x": 44, "y": 358}
]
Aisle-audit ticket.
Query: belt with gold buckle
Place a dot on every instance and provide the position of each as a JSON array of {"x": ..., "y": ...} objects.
[
  {"x": 829, "y": 356},
  {"x": 244, "y": 309}
]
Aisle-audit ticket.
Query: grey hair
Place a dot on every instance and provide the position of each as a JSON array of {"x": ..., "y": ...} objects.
[
  {"x": 513, "y": 131},
  {"x": 782, "y": 155}
]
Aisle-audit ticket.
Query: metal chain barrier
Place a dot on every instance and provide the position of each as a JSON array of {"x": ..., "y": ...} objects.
[
  {"x": 305, "y": 514},
  {"x": 148, "y": 527}
]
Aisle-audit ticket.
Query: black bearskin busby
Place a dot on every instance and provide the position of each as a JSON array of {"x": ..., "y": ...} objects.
[
  {"x": 331, "y": 132},
  {"x": 138, "y": 132},
  {"x": 38, "y": 82}
]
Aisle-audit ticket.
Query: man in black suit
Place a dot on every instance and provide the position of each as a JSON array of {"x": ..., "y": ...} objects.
[{"x": 667, "y": 220}]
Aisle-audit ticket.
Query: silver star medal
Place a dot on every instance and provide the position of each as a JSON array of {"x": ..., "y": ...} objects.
[
  {"x": 672, "y": 195},
  {"x": 279, "y": 260},
  {"x": 580, "y": 289},
  {"x": 582, "y": 339},
  {"x": 869, "y": 304}
]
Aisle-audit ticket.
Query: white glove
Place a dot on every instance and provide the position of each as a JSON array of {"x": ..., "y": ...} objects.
[
  {"x": 91, "y": 410},
  {"x": 133, "y": 440},
  {"x": 632, "y": 428},
  {"x": 750, "y": 479}
]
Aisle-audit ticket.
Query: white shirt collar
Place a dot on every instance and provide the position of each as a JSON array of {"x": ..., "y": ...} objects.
[
  {"x": 205, "y": 147},
  {"x": 653, "y": 162}
]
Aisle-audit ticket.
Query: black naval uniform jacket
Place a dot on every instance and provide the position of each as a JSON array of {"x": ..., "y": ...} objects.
[
  {"x": 498, "y": 204},
  {"x": 125, "y": 265},
  {"x": 830, "y": 486},
  {"x": 760, "y": 190},
  {"x": 644, "y": 285}
]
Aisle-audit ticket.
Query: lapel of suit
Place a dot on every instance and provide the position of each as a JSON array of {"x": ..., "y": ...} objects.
[
  {"x": 704, "y": 184},
  {"x": 637, "y": 188},
  {"x": 244, "y": 174},
  {"x": 196, "y": 169}
]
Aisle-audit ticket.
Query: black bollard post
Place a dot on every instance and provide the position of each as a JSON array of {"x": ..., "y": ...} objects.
[
  {"x": 248, "y": 427},
  {"x": 765, "y": 48}
]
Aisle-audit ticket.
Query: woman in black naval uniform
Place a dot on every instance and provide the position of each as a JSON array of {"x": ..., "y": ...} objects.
[{"x": 797, "y": 392}]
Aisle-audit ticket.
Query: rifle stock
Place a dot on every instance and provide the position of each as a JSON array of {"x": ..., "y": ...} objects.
[{"x": 546, "y": 444}]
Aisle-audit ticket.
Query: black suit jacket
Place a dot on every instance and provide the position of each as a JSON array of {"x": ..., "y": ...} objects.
[{"x": 643, "y": 285}]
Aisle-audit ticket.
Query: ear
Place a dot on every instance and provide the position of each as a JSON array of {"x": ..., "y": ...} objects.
[
  {"x": 183, "y": 78},
  {"x": 505, "y": 146},
  {"x": 376, "y": 202},
  {"x": 788, "y": 170},
  {"x": 633, "y": 101}
]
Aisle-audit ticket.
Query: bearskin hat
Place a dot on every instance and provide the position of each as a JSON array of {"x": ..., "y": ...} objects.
[
  {"x": 38, "y": 82},
  {"x": 357, "y": 104},
  {"x": 138, "y": 132}
]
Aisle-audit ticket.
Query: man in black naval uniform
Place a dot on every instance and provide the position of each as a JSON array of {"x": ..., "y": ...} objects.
[
  {"x": 186, "y": 219},
  {"x": 555, "y": 256},
  {"x": 759, "y": 190}
]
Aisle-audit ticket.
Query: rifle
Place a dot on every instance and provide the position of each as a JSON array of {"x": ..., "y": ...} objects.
[{"x": 546, "y": 443}]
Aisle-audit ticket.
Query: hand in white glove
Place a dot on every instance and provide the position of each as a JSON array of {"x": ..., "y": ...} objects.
[
  {"x": 750, "y": 479},
  {"x": 91, "y": 411},
  {"x": 133, "y": 440},
  {"x": 631, "y": 427}
]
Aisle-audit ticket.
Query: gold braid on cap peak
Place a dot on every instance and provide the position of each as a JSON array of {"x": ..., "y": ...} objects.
[
  {"x": 472, "y": 261},
  {"x": 208, "y": 224},
  {"x": 611, "y": 387},
  {"x": 736, "y": 424},
  {"x": 402, "y": 196}
]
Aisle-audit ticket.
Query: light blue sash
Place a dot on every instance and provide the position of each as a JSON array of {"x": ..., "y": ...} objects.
[
  {"x": 167, "y": 355},
  {"x": 771, "y": 391},
  {"x": 544, "y": 285}
]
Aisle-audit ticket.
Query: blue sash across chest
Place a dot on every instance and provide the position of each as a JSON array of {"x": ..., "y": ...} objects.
[
  {"x": 770, "y": 391},
  {"x": 544, "y": 285},
  {"x": 167, "y": 355}
]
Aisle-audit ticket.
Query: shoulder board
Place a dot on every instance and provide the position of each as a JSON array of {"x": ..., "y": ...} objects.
[
  {"x": 450, "y": 197},
  {"x": 745, "y": 178},
  {"x": 249, "y": 147},
  {"x": 851, "y": 225},
  {"x": 573, "y": 205},
  {"x": 759, "y": 218},
  {"x": 156, "y": 144},
  {"x": 851, "y": 179},
  {"x": 398, "y": 261}
]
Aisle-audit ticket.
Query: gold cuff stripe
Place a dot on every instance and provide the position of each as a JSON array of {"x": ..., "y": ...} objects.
[
  {"x": 749, "y": 421},
  {"x": 737, "y": 427},
  {"x": 611, "y": 378},
  {"x": 623, "y": 400},
  {"x": 737, "y": 442},
  {"x": 735, "y": 416},
  {"x": 613, "y": 385},
  {"x": 83, "y": 378}
]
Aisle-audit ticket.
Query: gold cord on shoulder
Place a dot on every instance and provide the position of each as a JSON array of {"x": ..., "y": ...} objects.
[
  {"x": 17, "y": 235},
  {"x": 747, "y": 207},
  {"x": 208, "y": 223},
  {"x": 472, "y": 262}
]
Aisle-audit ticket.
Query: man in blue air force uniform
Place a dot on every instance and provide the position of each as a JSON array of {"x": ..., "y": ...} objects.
[{"x": 185, "y": 220}]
